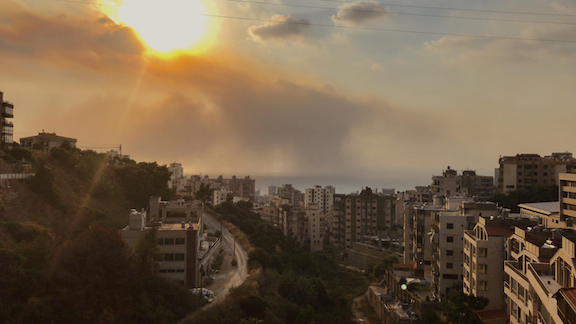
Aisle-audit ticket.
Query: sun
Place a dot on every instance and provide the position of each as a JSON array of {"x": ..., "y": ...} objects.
[{"x": 166, "y": 25}]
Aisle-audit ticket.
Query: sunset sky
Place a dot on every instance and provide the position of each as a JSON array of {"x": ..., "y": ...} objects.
[{"x": 349, "y": 94}]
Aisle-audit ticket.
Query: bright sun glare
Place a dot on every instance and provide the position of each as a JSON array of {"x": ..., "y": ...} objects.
[{"x": 165, "y": 25}]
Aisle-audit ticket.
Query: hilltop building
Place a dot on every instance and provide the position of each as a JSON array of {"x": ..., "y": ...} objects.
[
  {"x": 7, "y": 126},
  {"x": 48, "y": 141},
  {"x": 528, "y": 170},
  {"x": 184, "y": 255}
]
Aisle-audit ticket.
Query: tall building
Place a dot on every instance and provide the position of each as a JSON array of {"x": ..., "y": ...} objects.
[
  {"x": 567, "y": 199},
  {"x": 528, "y": 170},
  {"x": 485, "y": 250},
  {"x": 7, "y": 126},
  {"x": 177, "y": 180},
  {"x": 358, "y": 217},
  {"x": 323, "y": 197}
]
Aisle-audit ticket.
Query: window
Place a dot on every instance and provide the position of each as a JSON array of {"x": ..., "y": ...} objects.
[
  {"x": 450, "y": 225},
  {"x": 450, "y": 265},
  {"x": 449, "y": 276},
  {"x": 179, "y": 257},
  {"x": 180, "y": 241},
  {"x": 482, "y": 252},
  {"x": 482, "y": 285},
  {"x": 168, "y": 241},
  {"x": 482, "y": 268},
  {"x": 169, "y": 257},
  {"x": 449, "y": 252},
  {"x": 449, "y": 239}
]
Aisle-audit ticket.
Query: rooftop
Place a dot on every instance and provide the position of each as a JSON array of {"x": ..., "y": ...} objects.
[{"x": 549, "y": 207}]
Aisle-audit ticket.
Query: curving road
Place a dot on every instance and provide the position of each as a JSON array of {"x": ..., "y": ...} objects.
[{"x": 229, "y": 277}]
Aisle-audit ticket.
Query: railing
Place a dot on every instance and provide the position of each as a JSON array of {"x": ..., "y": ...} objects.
[
  {"x": 16, "y": 176},
  {"x": 511, "y": 265},
  {"x": 537, "y": 276}
]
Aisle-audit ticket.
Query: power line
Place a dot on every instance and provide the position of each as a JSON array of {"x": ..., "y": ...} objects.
[
  {"x": 461, "y": 9},
  {"x": 372, "y": 28},
  {"x": 395, "y": 30},
  {"x": 404, "y": 13}
]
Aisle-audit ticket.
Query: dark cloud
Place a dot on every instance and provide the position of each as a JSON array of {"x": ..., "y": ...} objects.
[
  {"x": 356, "y": 13},
  {"x": 281, "y": 27}
]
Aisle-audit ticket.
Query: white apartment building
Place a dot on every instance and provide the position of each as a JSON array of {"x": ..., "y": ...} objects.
[
  {"x": 323, "y": 197},
  {"x": 177, "y": 180},
  {"x": 316, "y": 227}
]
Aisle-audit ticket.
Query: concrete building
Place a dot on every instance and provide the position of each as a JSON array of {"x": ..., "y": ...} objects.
[
  {"x": 323, "y": 197},
  {"x": 567, "y": 198},
  {"x": 356, "y": 218},
  {"x": 48, "y": 141},
  {"x": 317, "y": 226},
  {"x": 243, "y": 188},
  {"x": 291, "y": 194},
  {"x": 468, "y": 184},
  {"x": 177, "y": 180},
  {"x": 7, "y": 126},
  {"x": 528, "y": 170},
  {"x": 183, "y": 253},
  {"x": 485, "y": 250},
  {"x": 540, "y": 276},
  {"x": 219, "y": 196}
]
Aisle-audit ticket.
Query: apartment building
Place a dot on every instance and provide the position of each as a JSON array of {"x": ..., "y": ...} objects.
[
  {"x": 7, "y": 126},
  {"x": 183, "y": 255},
  {"x": 240, "y": 187},
  {"x": 177, "y": 180},
  {"x": 418, "y": 223},
  {"x": 317, "y": 226},
  {"x": 357, "y": 217},
  {"x": 528, "y": 170},
  {"x": 468, "y": 184},
  {"x": 323, "y": 197},
  {"x": 290, "y": 194},
  {"x": 447, "y": 249},
  {"x": 540, "y": 276},
  {"x": 484, "y": 255},
  {"x": 567, "y": 196}
]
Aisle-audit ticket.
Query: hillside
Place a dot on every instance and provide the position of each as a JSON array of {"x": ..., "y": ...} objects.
[{"x": 61, "y": 257}]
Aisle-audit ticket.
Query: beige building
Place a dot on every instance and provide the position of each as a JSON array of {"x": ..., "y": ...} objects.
[
  {"x": 484, "y": 255},
  {"x": 540, "y": 277},
  {"x": 567, "y": 199},
  {"x": 323, "y": 197},
  {"x": 183, "y": 254},
  {"x": 528, "y": 170},
  {"x": 48, "y": 141}
]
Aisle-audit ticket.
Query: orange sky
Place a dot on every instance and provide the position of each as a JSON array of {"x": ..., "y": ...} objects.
[{"x": 262, "y": 99}]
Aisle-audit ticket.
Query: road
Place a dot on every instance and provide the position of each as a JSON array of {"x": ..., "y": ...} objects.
[{"x": 229, "y": 277}]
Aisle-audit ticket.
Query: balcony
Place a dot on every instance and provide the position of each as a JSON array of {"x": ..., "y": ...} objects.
[
  {"x": 7, "y": 109},
  {"x": 513, "y": 266}
]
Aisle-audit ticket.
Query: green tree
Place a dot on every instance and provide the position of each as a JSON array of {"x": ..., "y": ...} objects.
[
  {"x": 204, "y": 193},
  {"x": 460, "y": 308},
  {"x": 385, "y": 264},
  {"x": 20, "y": 153},
  {"x": 251, "y": 320}
]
